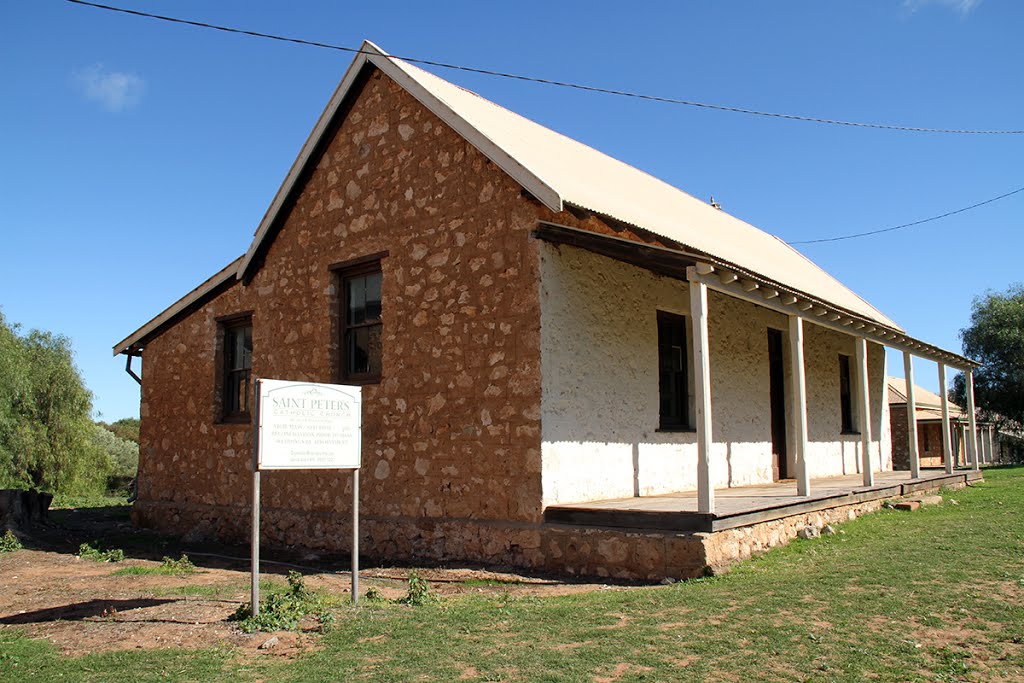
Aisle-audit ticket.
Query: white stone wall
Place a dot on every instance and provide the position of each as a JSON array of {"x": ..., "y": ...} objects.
[{"x": 599, "y": 359}]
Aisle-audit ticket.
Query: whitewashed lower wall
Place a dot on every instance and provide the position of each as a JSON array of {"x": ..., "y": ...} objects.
[{"x": 599, "y": 363}]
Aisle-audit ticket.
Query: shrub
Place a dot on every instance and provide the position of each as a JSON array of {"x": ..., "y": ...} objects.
[
  {"x": 9, "y": 542},
  {"x": 419, "y": 592},
  {"x": 284, "y": 611},
  {"x": 122, "y": 455},
  {"x": 179, "y": 567},
  {"x": 94, "y": 551}
]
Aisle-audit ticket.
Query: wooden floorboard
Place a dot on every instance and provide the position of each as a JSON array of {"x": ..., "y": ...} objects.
[{"x": 744, "y": 506}]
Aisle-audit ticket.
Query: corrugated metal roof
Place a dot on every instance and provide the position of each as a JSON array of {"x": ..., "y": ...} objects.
[
  {"x": 557, "y": 170},
  {"x": 587, "y": 178}
]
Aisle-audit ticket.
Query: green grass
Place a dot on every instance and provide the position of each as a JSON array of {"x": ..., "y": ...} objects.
[
  {"x": 24, "y": 659},
  {"x": 931, "y": 595},
  {"x": 198, "y": 590},
  {"x": 99, "y": 500},
  {"x": 169, "y": 567}
]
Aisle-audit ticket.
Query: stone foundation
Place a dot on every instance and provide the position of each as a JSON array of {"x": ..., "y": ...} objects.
[{"x": 564, "y": 549}]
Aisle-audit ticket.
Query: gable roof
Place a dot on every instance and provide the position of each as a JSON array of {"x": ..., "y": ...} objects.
[
  {"x": 205, "y": 290},
  {"x": 559, "y": 170},
  {"x": 922, "y": 397}
]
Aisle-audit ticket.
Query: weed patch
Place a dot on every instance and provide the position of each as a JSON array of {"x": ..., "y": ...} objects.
[
  {"x": 419, "y": 592},
  {"x": 9, "y": 542},
  {"x": 284, "y": 611},
  {"x": 169, "y": 567},
  {"x": 94, "y": 551}
]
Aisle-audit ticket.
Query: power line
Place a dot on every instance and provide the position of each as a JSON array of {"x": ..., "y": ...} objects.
[
  {"x": 545, "y": 81},
  {"x": 909, "y": 225}
]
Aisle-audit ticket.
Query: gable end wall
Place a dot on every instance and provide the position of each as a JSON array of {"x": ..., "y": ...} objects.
[{"x": 452, "y": 432}]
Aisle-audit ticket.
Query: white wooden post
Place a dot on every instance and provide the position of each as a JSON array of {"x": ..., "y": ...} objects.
[
  {"x": 947, "y": 448},
  {"x": 864, "y": 418},
  {"x": 915, "y": 460},
  {"x": 972, "y": 443},
  {"x": 798, "y": 390},
  {"x": 702, "y": 387}
]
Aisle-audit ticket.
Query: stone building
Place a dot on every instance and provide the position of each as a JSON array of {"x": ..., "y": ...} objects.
[
  {"x": 533, "y": 324},
  {"x": 928, "y": 417}
]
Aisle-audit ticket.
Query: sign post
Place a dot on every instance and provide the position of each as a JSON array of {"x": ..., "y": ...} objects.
[
  {"x": 305, "y": 425},
  {"x": 255, "y": 549}
]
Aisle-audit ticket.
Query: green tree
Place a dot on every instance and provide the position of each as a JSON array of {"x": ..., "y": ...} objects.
[
  {"x": 123, "y": 453},
  {"x": 45, "y": 429},
  {"x": 995, "y": 338},
  {"x": 126, "y": 428}
]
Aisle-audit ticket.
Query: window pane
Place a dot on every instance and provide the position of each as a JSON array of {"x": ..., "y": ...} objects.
[
  {"x": 373, "y": 296},
  {"x": 356, "y": 301},
  {"x": 361, "y": 326},
  {"x": 237, "y": 365},
  {"x": 373, "y": 346},
  {"x": 363, "y": 350},
  {"x": 672, "y": 369},
  {"x": 235, "y": 396},
  {"x": 845, "y": 395},
  {"x": 243, "y": 392},
  {"x": 358, "y": 351},
  {"x": 230, "y": 348},
  {"x": 246, "y": 355}
]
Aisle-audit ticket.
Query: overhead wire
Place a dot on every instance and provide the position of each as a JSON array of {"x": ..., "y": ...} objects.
[
  {"x": 546, "y": 81},
  {"x": 622, "y": 93},
  {"x": 909, "y": 225}
]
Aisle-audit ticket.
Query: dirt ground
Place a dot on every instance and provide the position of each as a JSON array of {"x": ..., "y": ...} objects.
[{"x": 82, "y": 606}]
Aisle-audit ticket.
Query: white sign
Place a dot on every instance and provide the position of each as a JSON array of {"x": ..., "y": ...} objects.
[{"x": 303, "y": 425}]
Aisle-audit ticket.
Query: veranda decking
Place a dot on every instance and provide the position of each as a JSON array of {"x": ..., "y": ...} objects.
[{"x": 747, "y": 505}]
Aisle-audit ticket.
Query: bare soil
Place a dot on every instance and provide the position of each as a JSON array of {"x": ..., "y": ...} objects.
[{"x": 82, "y": 606}]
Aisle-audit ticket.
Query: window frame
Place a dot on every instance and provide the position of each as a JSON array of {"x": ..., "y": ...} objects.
[
  {"x": 344, "y": 273},
  {"x": 681, "y": 422},
  {"x": 228, "y": 326}
]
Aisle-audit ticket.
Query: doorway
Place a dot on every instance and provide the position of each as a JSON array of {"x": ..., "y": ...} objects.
[{"x": 777, "y": 391}]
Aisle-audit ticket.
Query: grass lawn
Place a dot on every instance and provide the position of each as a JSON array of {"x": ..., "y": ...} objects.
[{"x": 931, "y": 595}]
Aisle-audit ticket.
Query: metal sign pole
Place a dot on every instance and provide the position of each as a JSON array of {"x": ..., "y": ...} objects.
[
  {"x": 355, "y": 536},
  {"x": 256, "y": 501}
]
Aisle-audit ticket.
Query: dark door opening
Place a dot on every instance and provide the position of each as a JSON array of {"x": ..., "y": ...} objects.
[{"x": 777, "y": 390}]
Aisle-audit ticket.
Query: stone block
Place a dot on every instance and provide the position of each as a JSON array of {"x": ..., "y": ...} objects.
[{"x": 907, "y": 505}]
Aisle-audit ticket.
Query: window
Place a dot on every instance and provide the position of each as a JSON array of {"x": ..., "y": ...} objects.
[
  {"x": 237, "y": 368},
  {"x": 846, "y": 396},
  {"x": 673, "y": 383},
  {"x": 361, "y": 323}
]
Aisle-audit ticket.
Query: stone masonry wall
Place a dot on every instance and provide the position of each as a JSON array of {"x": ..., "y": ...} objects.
[
  {"x": 451, "y": 433},
  {"x": 452, "y": 437}
]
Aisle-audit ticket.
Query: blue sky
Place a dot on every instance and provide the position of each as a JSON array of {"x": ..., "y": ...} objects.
[{"x": 139, "y": 156}]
